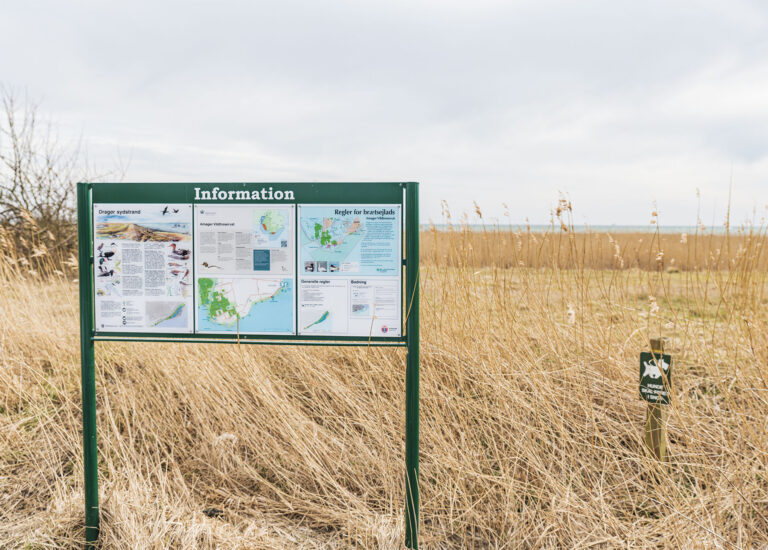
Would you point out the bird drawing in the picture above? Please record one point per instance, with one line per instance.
(209, 266)
(177, 272)
(165, 211)
(175, 210)
(107, 273)
(179, 253)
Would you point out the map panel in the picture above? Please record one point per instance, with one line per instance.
(245, 305)
(244, 269)
(244, 239)
(350, 239)
(350, 267)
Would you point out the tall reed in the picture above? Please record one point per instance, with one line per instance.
(531, 420)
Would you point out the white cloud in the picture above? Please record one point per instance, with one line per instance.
(617, 103)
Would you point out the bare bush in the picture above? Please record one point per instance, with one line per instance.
(38, 173)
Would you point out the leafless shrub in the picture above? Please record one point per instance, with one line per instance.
(38, 173)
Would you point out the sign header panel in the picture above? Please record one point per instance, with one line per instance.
(312, 193)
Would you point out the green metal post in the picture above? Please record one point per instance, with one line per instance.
(412, 368)
(87, 365)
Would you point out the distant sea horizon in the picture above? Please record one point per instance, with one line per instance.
(616, 228)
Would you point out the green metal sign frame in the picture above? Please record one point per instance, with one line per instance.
(405, 194)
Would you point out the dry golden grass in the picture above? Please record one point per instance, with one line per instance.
(531, 422)
(560, 249)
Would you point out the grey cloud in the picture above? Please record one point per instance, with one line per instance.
(487, 100)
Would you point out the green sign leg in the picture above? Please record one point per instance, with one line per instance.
(412, 369)
(87, 366)
(412, 450)
(89, 446)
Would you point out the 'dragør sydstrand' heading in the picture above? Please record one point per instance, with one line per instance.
(265, 194)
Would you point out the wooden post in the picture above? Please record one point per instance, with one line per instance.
(655, 426)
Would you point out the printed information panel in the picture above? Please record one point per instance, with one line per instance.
(142, 261)
(350, 270)
(245, 267)
(249, 268)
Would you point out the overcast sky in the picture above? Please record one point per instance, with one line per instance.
(616, 103)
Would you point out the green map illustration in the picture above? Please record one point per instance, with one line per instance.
(360, 240)
(250, 305)
(269, 226)
(332, 239)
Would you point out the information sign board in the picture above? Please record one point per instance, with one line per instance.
(281, 263)
(236, 261)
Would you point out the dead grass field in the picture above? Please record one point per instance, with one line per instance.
(559, 249)
(531, 424)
